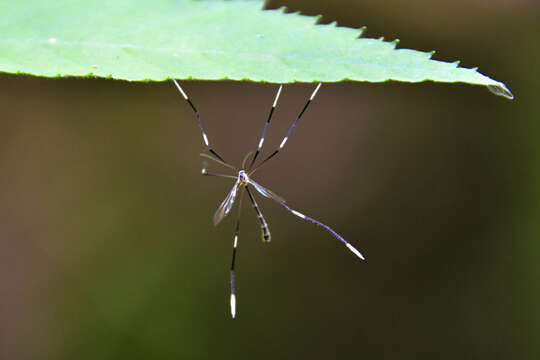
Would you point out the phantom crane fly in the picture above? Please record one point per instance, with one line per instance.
(243, 181)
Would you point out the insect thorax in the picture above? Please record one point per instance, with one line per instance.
(243, 177)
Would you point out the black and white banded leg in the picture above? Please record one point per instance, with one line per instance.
(266, 237)
(261, 141)
(328, 228)
(284, 141)
(205, 138)
(235, 246)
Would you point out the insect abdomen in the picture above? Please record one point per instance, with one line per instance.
(266, 237)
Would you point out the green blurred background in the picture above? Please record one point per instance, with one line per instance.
(107, 249)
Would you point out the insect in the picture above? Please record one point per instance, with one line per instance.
(243, 181)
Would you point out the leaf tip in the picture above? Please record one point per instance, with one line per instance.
(362, 31)
(501, 90)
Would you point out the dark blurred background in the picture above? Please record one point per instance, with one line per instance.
(107, 249)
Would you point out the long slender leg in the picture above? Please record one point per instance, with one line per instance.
(261, 142)
(264, 226)
(290, 130)
(335, 234)
(205, 138)
(204, 172)
(210, 157)
(245, 159)
(235, 246)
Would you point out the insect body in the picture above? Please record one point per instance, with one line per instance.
(243, 182)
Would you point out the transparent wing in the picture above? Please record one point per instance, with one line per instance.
(226, 205)
(268, 193)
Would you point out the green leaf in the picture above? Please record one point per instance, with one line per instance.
(207, 40)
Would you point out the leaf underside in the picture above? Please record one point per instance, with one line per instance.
(206, 40)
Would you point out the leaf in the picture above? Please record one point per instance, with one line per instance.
(206, 40)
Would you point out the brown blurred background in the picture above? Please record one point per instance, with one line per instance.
(107, 250)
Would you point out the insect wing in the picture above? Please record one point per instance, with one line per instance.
(226, 205)
(268, 193)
